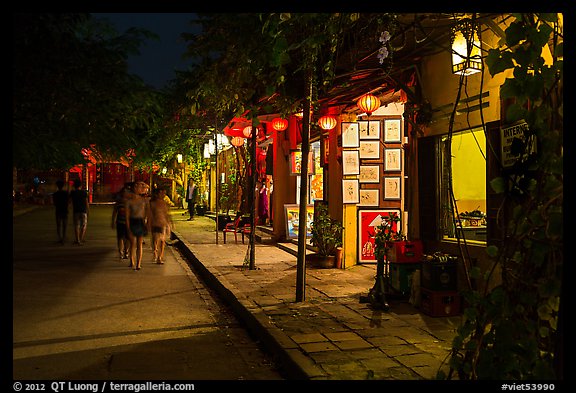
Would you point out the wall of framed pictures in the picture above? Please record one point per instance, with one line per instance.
(372, 162)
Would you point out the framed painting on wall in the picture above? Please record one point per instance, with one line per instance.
(392, 160)
(350, 135)
(369, 174)
(392, 187)
(370, 150)
(369, 197)
(295, 162)
(350, 191)
(368, 220)
(369, 133)
(292, 214)
(350, 162)
(392, 130)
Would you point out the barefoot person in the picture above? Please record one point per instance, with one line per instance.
(137, 222)
(160, 223)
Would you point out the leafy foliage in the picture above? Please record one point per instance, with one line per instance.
(326, 231)
(388, 231)
(72, 90)
(512, 332)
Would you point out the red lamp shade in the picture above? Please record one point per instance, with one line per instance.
(237, 141)
(279, 124)
(247, 131)
(327, 122)
(368, 103)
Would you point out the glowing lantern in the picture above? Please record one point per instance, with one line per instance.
(466, 57)
(247, 131)
(237, 141)
(368, 103)
(279, 124)
(327, 122)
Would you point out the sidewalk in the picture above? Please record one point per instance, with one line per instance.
(330, 335)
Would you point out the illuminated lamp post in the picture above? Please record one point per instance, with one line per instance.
(368, 103)
(466, 57)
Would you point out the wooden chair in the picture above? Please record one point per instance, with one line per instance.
(233, 227)
(246, 230)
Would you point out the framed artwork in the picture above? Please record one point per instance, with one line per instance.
(296, 162)
(369, 197)
(368, 221)
(350, 162)
(392, 187)
(392, 159)
(370, 150)
(369, 174)
(350, 191)
(350, 134)
(392, 130)
(292, 214)
(369, 129)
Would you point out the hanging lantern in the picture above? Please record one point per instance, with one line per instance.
(327, 122)
(466, 57)
(368, 103)
(247, 131)
(279, 124)
(237, 141)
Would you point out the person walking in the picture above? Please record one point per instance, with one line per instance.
(160, 223)
(119, 222)
(191, 193)
(137, 222)
(60, 199)
(80, 210)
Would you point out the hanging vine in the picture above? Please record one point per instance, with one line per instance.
(514, 331)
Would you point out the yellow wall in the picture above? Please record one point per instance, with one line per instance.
(469, 170)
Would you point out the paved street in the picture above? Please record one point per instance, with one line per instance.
(79, 312)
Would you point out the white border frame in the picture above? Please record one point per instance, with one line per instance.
(369, 169)
(350, 162)
(392, 155)
(373, 153)
(392, 188)
(390, 126)
(374, 129)
(369, 197)
(350, 134)
(350, 191)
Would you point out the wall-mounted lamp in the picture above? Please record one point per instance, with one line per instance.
(179, 158)
(466, 55)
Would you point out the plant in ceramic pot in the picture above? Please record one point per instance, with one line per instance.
(326, 237)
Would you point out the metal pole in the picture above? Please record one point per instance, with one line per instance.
(252, 198)
(303, 222)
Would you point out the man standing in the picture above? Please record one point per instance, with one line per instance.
(80, 209)
(60, 201)
(191, 193)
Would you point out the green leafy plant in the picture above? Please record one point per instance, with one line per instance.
(387, 232)
(513, 331)
(326, 232)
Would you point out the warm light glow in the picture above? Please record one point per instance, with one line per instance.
(368, 103)
(279, 124)
(465, 60)
(237, 141)
(247, 131)
(179, 158)
(327, 122)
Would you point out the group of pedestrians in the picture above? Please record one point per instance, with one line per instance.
(135, 214)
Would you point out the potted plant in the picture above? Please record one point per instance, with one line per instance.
(326, 238)
(385, 234)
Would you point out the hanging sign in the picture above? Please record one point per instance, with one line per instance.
(507, 137)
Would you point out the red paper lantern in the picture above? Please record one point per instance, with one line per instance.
(237, 141)
(247, 131)
(327, 122)
(368, 103)
(279, 124)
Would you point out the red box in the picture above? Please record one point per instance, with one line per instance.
(440, 303)
(405, 251)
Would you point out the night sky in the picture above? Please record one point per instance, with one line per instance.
(158, 58)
